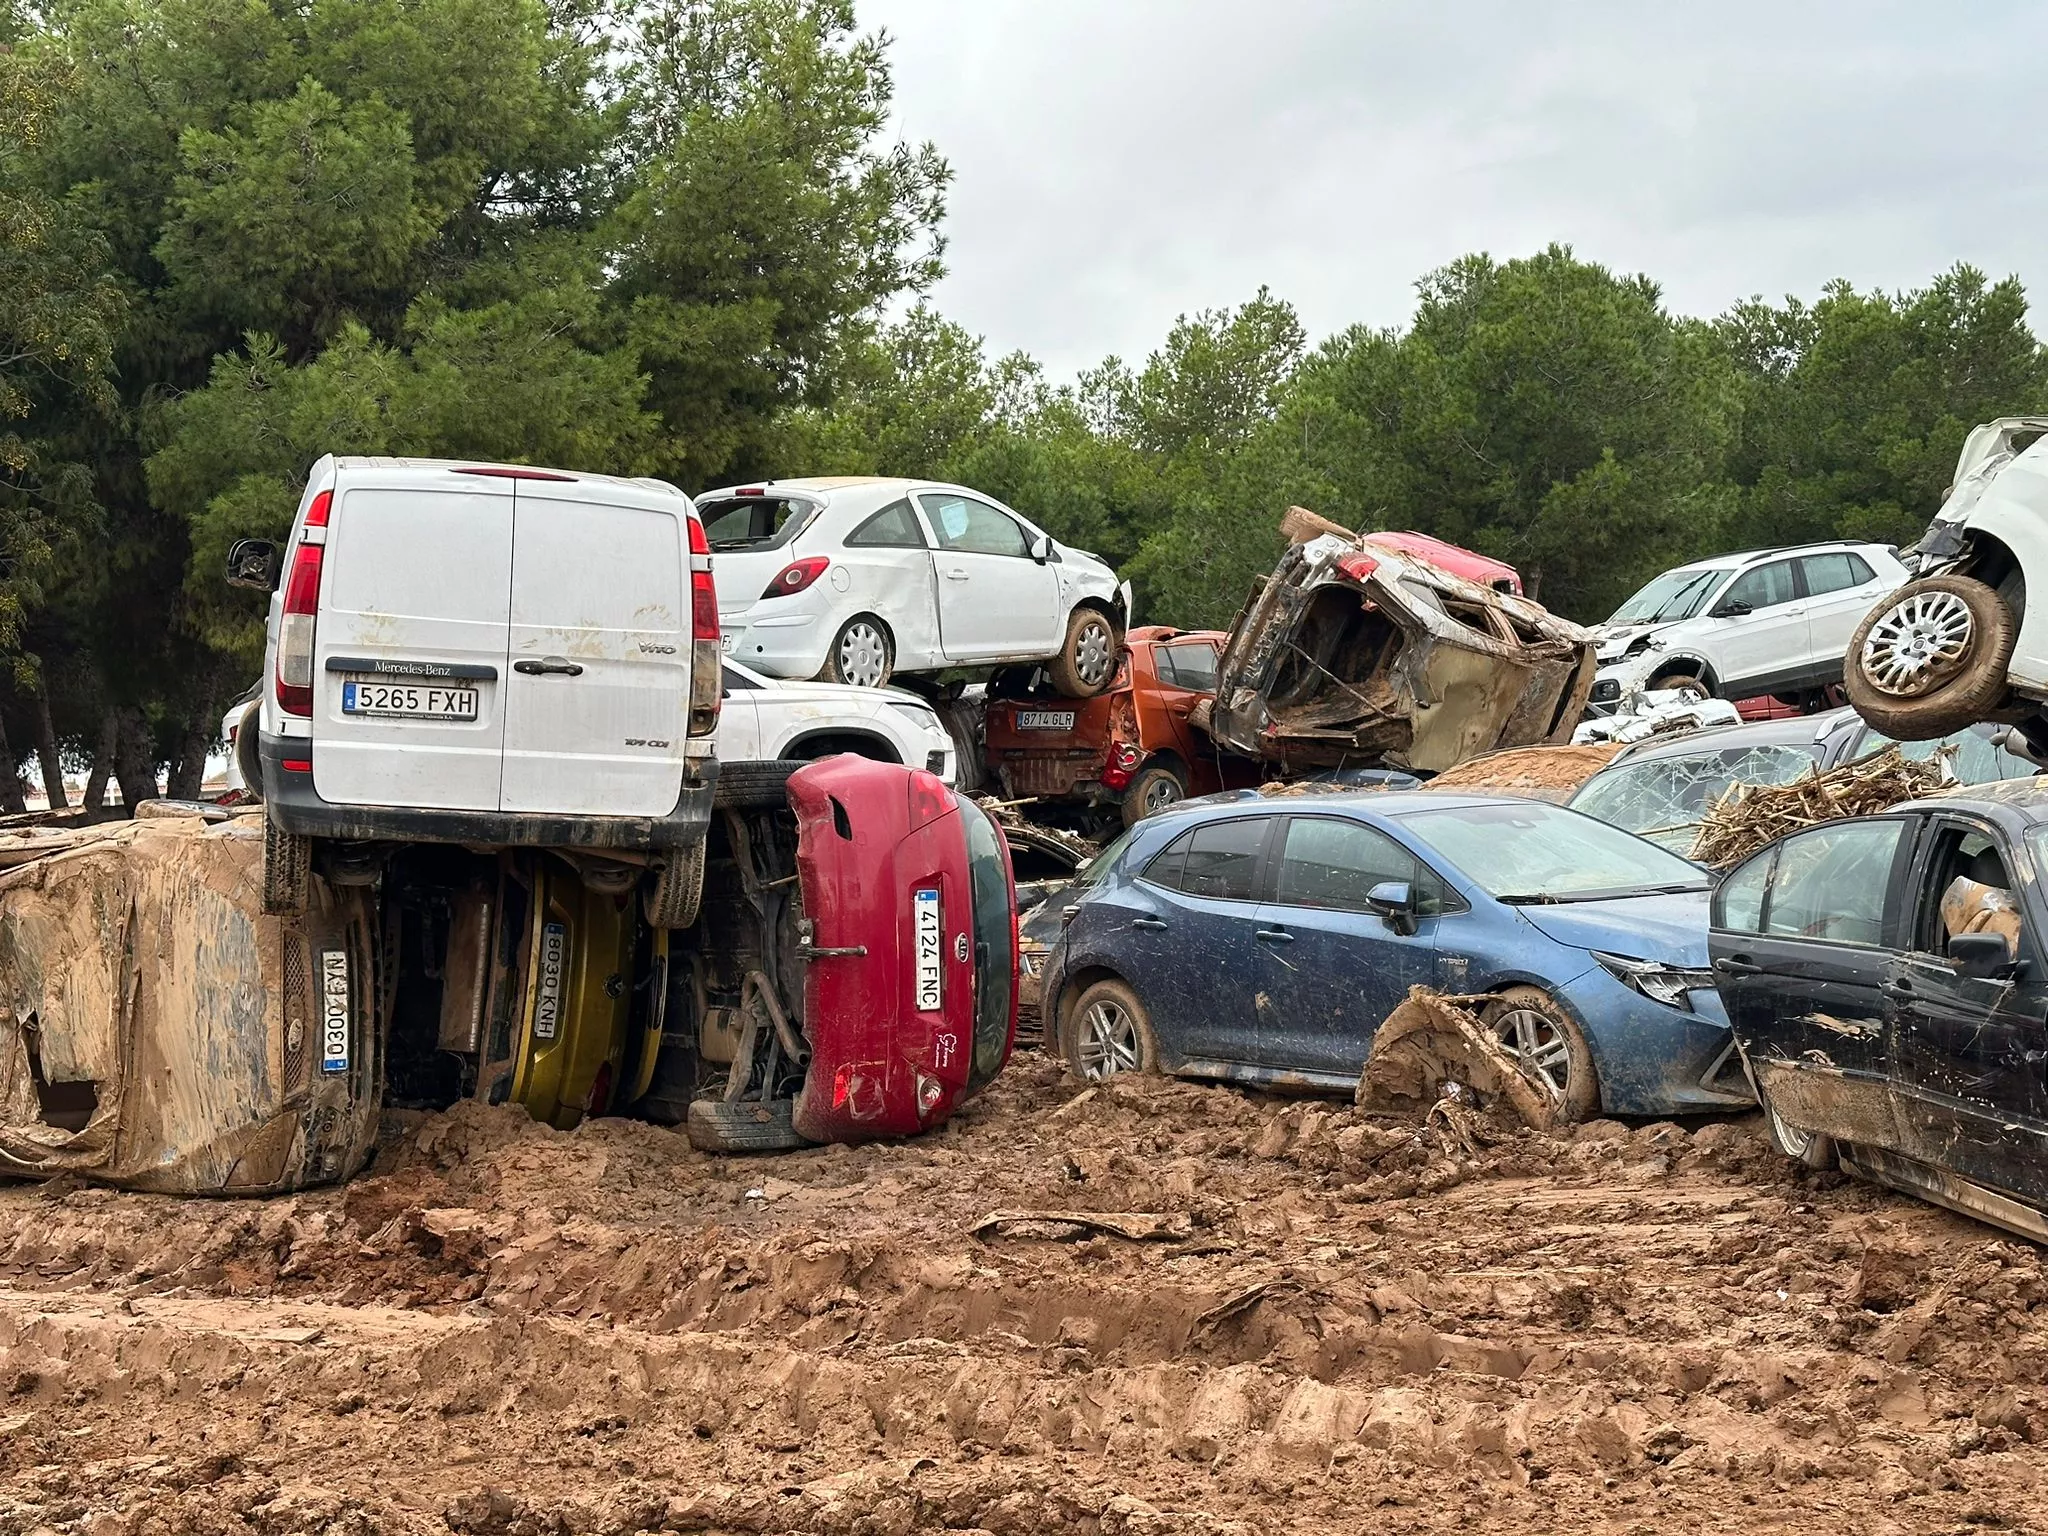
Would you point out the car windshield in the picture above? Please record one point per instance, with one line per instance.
(1100, 865)
(1529, 851)
(995, 937)
(1667, 798)
(1672, 596)
(753, 522)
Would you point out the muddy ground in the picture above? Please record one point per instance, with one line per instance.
(1327, 1323)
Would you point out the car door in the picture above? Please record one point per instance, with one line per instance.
(1332, 969)
(1191, 949)
(739, 718)
(1972, 1051)
(994, 599)
(1840, 586)
(600, 650)
(1186, 670)
(1801, 936)
(418, 566)
(884, 567)
(1768, 641)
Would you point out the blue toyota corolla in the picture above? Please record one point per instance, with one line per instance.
(1263, 941)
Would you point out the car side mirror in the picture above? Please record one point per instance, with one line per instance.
(1393, 901)
(1979, 956)
(1733, 609)
(1041, 548)
(253, 563)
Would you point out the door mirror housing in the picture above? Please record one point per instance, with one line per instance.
(1041, 548)
(1980, 956)
(1734, 608)
(1393, 902)
(254, 563)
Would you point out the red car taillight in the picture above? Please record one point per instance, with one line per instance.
(1123, 762)
(707, 682)
(301, 605)
(796, 575)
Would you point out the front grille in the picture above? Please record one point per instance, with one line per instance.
(935, 762)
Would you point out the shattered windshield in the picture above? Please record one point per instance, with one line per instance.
(1666, 799)
(1674, 595)
(1533, 852)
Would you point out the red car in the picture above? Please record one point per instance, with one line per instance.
(1131, 749)
(1451, 557)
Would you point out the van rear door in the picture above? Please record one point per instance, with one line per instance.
(597, 690)
(409, 659)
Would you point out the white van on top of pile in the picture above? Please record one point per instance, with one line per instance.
(485, 654)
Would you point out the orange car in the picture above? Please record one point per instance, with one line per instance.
(1132, 746)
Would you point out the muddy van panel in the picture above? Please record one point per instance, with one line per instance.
(160, 1033)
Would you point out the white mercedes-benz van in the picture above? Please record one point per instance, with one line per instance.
(490, 655)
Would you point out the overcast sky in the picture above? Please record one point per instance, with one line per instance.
(1119, 162)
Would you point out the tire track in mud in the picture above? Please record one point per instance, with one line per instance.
(509, 1329)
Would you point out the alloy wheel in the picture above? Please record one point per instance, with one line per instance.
(1159, 794)
(1537, 1043)
(1108, 1042)
(1918, 643)
(863, 655)
(1795, 1142)
(1093, 652)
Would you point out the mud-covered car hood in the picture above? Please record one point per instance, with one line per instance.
(1669, 929)
(1354, 654)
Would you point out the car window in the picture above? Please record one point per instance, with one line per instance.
(737, 681)
(1833, 573)
(1967, 887)
(1975, 759)
(894, 527)
(1218, 860)
(1527, 851)
(1188, 664)
(974, 527)
(1765, 587)
(1674, 595)
(1666, 798)
(1332, 863)
(753, 522)
(1739, 903)
(1830, 883)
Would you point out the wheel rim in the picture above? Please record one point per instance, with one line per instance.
(1918, 643)
(1159, 794)
(1109, 1041)
(1537, 1042)
(1795, 1141)
(863, 656)
(1092, 653)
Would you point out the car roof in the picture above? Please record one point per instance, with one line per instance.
(1382, 802)
(362, 461)
(1730, 561)
(1794, 730)
(2025, 800)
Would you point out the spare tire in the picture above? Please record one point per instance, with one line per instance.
(1931, 658)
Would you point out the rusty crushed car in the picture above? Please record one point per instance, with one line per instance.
(851, 975)
(1354, 653)
(1129, 751)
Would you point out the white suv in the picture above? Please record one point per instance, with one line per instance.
(490, 655)
(768, 720)
(1770, 621)
(852, 580)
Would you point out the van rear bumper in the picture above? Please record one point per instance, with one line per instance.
(297, 807)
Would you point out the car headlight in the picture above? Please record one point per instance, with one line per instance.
(1643, 643)
(1670, 985)
(922, 714)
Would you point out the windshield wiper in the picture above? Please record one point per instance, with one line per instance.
(1612, 893)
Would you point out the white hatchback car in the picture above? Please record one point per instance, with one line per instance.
(852, 580)
(1767, 621)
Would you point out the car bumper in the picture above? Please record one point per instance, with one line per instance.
(1616, 680)
(1654, 1060)
(783, 638)
(297, 807)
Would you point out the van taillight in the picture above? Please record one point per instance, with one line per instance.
(796, 575)
(295, 632)
(707, 679)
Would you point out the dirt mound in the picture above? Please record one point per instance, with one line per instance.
(1533, 773)
(1271, 1316)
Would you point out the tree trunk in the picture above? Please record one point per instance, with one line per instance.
(188, 768)
(11, 799)
(102, 762)
(134, 765)
(46, 749)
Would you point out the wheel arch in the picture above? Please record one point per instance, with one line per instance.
(828, 741)
(1689, 661)
(1072, 985)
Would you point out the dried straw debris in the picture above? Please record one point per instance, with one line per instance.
(1748, 816)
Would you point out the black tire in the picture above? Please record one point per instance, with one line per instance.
(862, 644)
(678, 890)
(1907, 693)
(716, 1126)
(1106, 1032)
(1152, 791)
(742, 785)
(1683, 677)
(248, 757)
(1809, 1149)
(1535, 1029)
(1088, 656)
(287, 870)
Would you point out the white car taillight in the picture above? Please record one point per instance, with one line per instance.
(301, 606)
(707, 681)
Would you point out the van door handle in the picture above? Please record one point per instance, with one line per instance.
(1736, 965)
(1274, 935)
(1149, 924)
(557, 665)
(956, 574)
